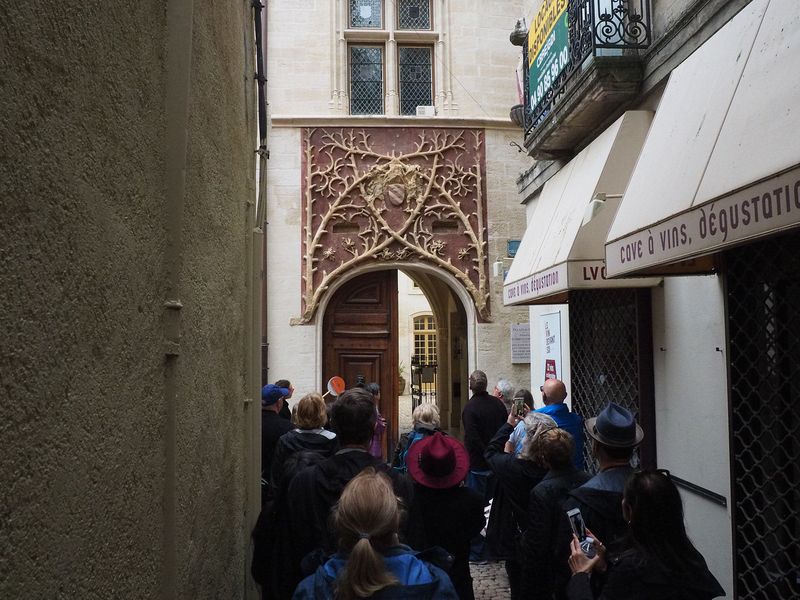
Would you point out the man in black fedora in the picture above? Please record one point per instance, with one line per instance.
(614, 434)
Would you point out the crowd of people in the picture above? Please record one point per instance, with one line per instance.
(339, 521)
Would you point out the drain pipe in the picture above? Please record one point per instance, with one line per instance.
(179, 25)
(263, 157)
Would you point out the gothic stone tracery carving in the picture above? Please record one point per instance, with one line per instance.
(400, 195)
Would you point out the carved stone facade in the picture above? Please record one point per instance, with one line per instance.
(400, 195)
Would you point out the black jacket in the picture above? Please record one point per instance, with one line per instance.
(273, 426)
(271, 536)
(448, 518)
(482, 416)
(539, 537)
(600, 501)
(515, 480)
(631, 576)
(300, 440)
(313, 492)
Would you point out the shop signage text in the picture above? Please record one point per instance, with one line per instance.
(544, 283)
(548, 48)
(550, 330)
(756, 211)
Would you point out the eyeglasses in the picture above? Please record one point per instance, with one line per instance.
(541, 388)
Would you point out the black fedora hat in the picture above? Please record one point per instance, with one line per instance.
(615, 427)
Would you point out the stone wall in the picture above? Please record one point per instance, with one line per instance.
(307, 47)
(115, 486)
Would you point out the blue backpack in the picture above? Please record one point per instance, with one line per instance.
(411, 438)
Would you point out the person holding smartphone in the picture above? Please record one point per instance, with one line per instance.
(659, 563)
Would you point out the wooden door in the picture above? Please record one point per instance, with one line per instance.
(360, 338)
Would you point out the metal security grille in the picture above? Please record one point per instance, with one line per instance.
(764, 326)
(366, 13)
(416, 79)
(610, 357)
(414, 14)
(366, 80)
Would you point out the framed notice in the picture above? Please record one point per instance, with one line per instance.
(550, 332)
(520, 343)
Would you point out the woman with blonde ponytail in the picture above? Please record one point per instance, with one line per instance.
(371, 563)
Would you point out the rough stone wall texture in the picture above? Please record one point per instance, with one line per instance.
(82, 244)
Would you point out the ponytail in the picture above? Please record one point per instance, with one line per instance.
(366, 521)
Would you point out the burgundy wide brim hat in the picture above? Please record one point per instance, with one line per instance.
(439, 461)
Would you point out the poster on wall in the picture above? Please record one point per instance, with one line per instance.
(550, 331)
(520, 343)
(548, 48)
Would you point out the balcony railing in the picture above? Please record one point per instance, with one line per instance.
(596, 28)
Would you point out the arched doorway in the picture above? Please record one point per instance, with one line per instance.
(360, 338)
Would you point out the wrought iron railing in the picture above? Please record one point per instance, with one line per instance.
(595, 26)
(423, 382)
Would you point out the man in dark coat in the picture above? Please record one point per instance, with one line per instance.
(272, 428)
(482, 417)
(444, 513)
(516, 476)
(614, 434)
(313, 492)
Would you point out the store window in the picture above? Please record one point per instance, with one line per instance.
(413, 14)
(366, 80)
(366, 14)
(415, 78)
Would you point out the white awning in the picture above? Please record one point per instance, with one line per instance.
(721, 164)
(558, 252)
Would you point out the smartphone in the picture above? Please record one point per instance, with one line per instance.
(576, 521)
(519, 406)
(579, 529)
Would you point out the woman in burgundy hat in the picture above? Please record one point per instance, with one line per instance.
(444, 512)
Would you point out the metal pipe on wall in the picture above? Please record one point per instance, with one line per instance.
(261, 36)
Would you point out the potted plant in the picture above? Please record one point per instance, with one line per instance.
(401, 380)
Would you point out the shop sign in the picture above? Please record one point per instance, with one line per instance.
(543, 283)
(756, 211)
(520, 343)
(573, 275)
(548, 48)
(550, 331)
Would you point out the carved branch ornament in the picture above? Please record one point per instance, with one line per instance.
(402, 195)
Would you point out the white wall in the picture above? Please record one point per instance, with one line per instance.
(292, 350)
(411, 302)
(691, 390)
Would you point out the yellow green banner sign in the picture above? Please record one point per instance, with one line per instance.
(548, 48)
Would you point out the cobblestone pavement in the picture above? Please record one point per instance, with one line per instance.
(489, 581)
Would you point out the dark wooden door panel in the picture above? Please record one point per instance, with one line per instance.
(360, 338)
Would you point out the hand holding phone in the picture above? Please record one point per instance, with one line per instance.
(519, 407)
(579, 529)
